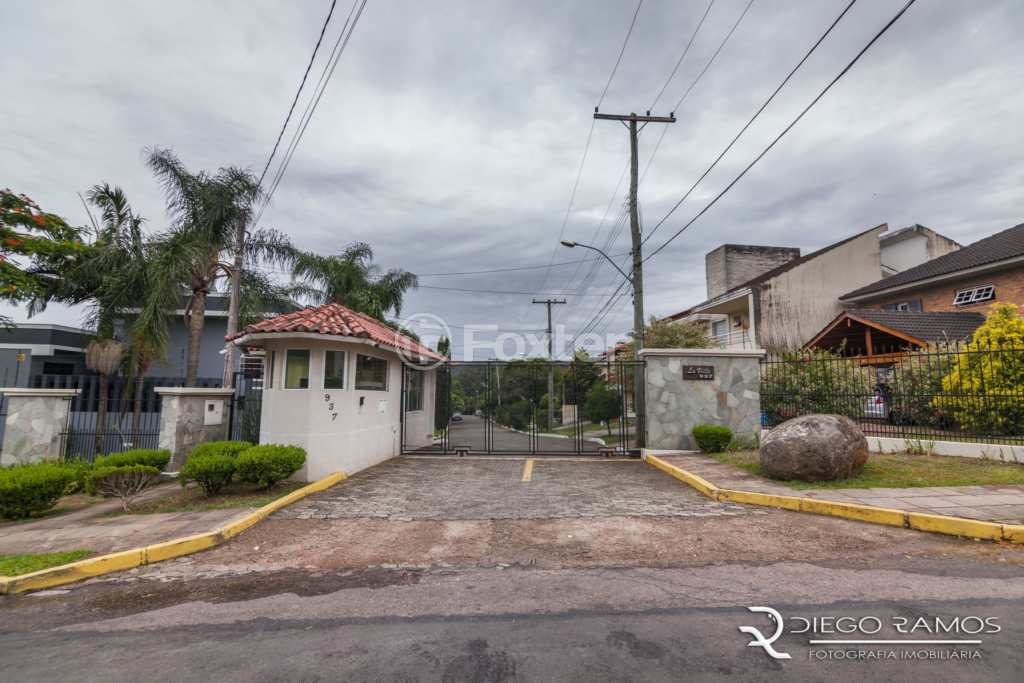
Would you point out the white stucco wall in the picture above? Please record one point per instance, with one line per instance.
(337, 432)
(794, 306)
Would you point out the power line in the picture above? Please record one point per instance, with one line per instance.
(494, 291)
(621, 52)
(506, 270)
(687, 49)
(679, 104)
(788, 128)
(303, 83)
(753, 118)
(710, 61)
(325, 77)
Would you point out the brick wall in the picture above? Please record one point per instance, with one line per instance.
(1009, 290)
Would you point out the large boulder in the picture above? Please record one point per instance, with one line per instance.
(814, 448)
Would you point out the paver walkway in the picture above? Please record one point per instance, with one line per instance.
(417, 488)
(991, 503)
(83, 529)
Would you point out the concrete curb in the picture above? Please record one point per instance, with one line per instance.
(129, 559)
(951, 526)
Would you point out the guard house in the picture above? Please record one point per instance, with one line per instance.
(347, 388)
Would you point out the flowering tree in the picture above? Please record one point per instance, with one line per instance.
(985, 388)
(28, 237)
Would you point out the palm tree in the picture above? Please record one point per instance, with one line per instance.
(205, 212)
(104, 358)
(354, 281)
(112, 279)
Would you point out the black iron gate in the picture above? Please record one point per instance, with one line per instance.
(246, 406)
(502, 408)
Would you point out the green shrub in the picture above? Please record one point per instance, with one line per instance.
(31, 488)
(711, 438)
(157, 458)
(78, 470)
(228, 448)
(268, 465)
(123, 482)
(212, 472)
(603, 405)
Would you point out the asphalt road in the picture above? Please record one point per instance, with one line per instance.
(470, 431)
(523, 625)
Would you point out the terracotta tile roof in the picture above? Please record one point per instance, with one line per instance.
(336, 320)
(1001, 246)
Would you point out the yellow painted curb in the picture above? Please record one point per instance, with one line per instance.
(951, 526)
(129, 559)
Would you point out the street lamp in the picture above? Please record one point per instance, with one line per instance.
(571, 244)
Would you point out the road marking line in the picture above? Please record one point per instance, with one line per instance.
(528, 470)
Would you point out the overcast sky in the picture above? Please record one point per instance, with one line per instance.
(451, 133)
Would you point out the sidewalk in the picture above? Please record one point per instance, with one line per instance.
(1003, 504)
(84, 529)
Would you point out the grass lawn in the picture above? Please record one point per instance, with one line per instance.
(899, 470)
(233, 496)
(15, 565)
(591, 427)
(65, 504)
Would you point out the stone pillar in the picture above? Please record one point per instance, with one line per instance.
(36, 421)
(690, 387)
(189, 417)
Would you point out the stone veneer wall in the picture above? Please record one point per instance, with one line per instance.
(676, 405)
(33, 430)
(182, 428)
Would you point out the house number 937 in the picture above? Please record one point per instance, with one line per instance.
(330, 406)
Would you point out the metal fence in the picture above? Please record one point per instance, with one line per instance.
(942, 392)
(132, 420)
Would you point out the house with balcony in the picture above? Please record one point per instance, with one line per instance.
(776, 298)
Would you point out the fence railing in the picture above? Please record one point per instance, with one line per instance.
(942, 392)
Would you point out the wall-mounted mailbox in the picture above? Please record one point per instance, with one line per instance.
(382, 405)
(214, 413)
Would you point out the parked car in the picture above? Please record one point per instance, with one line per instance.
(879, 406)
(457, 416)
(479, 413)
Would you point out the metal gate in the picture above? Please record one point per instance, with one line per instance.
(246, 405)
(502, 408)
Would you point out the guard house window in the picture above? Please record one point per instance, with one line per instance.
(371, 373)
(334, 369)
(413, 390)
(296, 369)
(974, 295)
(273, 362)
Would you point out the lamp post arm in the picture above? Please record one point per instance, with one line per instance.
(628, 278)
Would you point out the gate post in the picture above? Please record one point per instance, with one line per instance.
(691, 387)
(189, 417)
(36, 422)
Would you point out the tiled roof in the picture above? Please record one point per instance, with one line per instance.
(336, 320)
(999, 247)
(928, 326)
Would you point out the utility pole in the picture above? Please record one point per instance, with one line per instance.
(551, 368)
(639, 379)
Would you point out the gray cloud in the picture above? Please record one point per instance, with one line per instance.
(451, 134)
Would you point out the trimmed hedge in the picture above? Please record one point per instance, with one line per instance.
(212, 472)
(268, 465)
(228, 448)
(31, 488)
(711, 438)
(123, 482)
(157, 458)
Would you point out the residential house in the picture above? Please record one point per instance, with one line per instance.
(772, 297)
(969, 279)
